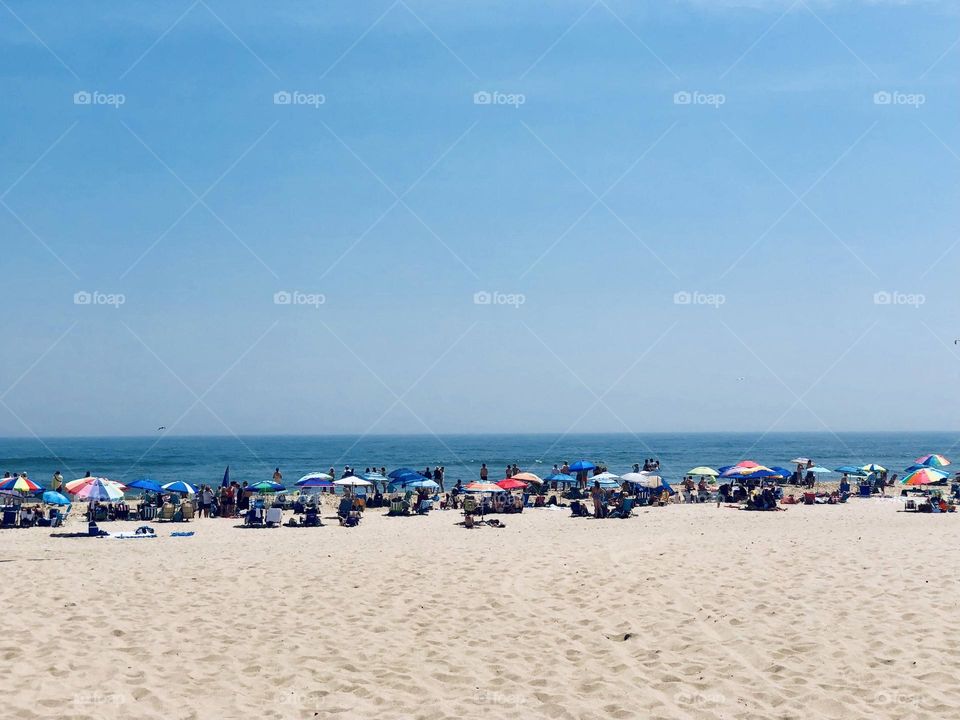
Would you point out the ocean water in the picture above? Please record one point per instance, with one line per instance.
(203, 459)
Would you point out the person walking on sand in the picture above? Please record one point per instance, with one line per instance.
(596, 492)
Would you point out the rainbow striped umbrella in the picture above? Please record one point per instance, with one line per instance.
(925, 476)
(75, 485)
(99, 489)
(23, 484)
(932, 461)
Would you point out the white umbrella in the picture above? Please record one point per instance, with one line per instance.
(353, 481)
(645, 479)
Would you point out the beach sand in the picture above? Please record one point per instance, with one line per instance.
(679, 612)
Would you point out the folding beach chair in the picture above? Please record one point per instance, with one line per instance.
(624, 511)
(347, 516)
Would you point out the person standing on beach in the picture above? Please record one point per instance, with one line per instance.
(277, 476)
(565, 470)
(597, 494)
(56, 483)
(206, 500)
(483, 472)
(438, 476)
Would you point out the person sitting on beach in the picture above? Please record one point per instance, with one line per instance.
(688, 489)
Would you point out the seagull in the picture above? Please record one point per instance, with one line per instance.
(740, 379)
(162, 427)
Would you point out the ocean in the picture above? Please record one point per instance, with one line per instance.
(253, 458)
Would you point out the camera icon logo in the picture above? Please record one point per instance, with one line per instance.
(282, 97)
(881, 298)
(682, 98)
(482, 298)
(82, 97)
(82, 298)
(681, 298)
(282, 297)
(882, 98)
(482, 98)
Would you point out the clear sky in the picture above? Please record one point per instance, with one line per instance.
(687, 215)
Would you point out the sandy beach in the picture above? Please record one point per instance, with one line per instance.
(679, 612)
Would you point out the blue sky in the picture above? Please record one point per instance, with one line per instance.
(803, 201)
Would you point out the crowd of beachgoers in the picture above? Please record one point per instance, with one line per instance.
(587, 488)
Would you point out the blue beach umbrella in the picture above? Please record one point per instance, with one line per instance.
(179, 486)
(52, 497)
(561, 478)
(781, 471)
(401, 471)
(145, 484)
(316, 479)
(850, 470)
(581, 465)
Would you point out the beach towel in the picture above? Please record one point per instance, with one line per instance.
(131, 535)
(182, 534)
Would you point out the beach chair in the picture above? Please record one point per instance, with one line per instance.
(397, 507)
(188, 510)
(273, 517)
(865, 489)
(347, 516)
(809, 498)
(167, 513)
(311, 518)
(624, 511)
(578, 509)
(424, 507)
(10, 516)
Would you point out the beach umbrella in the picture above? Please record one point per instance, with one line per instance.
(99, 489)
(352, 481)
(310, 479)
(21, 484)
(643, 479)
(528, 477)
(802, 461)
(925, 476)
(226, 478)
(264, 486)
(315, 483)
(739, 471)
(52, 497)
(932, 461)
(581, 465)
(374, 477)
(781, 472)
(179, 486)
(423, 483)
(401, 471)
(817, 469)
(760, 474)
(413, 480)
(873, 467)
(701, 470)
(11, 494)
(73, 485)
(482, 487)
(606, 480)
(748, 464)
(850, 470)
(512, 484)
(145, 484)
(560, 478)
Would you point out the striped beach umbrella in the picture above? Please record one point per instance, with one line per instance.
(925, 476)
(22, 484)
(873, 467)
(932, 461)
(75, 485)
(99, 489)
(483, 487)
(179, 486)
